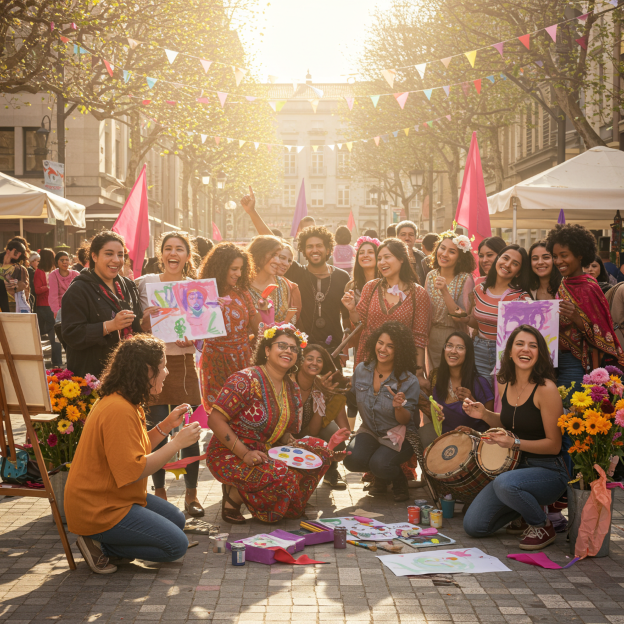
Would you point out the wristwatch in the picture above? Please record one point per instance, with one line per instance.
(516, 444)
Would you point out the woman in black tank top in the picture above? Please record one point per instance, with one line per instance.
(531, 406)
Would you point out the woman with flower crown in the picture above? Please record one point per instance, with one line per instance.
(258, 408)
(449, 286)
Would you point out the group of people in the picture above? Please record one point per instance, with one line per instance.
(426, 326)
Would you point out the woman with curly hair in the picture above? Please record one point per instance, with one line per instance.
(449, 285)
(544, 278)
(258, 408)
(106, 503)
(386, 389)
(175, 254)
(232, 267)
(586, 335)
(531, 407)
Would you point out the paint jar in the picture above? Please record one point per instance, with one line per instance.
(448, 508)
(340, 537)
(219, 542)
(419, 502)
(435, 518)
(424, 514)
(413, 514)
(238, 554)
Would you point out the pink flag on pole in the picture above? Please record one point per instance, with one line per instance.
(216, 235)
(472, 208)
(133, 222)
(351, 221)
(301, 210)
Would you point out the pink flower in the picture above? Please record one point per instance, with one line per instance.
(619, 418)
(27, 445)
(598, 393)
(586, 380)
(52, 440)
(617, 388)
(599, 376)
(617, 435)
(69, 429)
(92, 381)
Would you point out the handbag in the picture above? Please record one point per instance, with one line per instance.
(21, 471)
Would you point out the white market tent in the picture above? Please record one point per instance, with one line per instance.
(589, 188)
(20, 200)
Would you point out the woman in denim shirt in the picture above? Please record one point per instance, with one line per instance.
(386, 390)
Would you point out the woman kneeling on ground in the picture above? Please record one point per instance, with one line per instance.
(106, 499)
(531, 406)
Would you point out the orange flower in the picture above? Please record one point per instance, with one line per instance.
(590, 414)
(80, 381)
(618, 443)
(620, 404)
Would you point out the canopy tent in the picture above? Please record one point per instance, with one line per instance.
(589, 188)
(20, 200)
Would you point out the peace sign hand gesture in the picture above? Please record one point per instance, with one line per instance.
(249, 201)
(398, 398)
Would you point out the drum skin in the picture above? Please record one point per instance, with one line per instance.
(494, 459)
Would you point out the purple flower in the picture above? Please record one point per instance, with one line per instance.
(613, 370)
(328, 340)
(86, 390)
(52, 440)
(617, 435)
(64, 374)
(586, 380)
(599, 376)
(598, 393)
(619, 418)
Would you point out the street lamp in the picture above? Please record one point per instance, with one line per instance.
(221, 179)
(373, 192)
(45, 132)
(205, 177)
(416, 177)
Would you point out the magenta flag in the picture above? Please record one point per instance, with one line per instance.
(472, 208)
(301, 210)
(351, 221)
(133, 223)
(216, 235)
(561, 218)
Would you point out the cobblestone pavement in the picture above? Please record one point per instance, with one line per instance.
(37, 586)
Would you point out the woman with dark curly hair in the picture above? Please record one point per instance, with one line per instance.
(258, 408)
(586, 335)
(449, 286)
(531, 407)
(544, 278)
(386, 389)
(106, 502)
(232, 267)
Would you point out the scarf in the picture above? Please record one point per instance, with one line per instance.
(583, 291)
(126, 332)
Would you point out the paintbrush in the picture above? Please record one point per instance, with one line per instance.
(390, 547)
(371, 547)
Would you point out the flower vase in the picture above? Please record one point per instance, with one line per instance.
(576, 502)
(58, 482)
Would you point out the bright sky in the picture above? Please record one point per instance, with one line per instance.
(319, 35)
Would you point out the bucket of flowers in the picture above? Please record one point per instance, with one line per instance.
(594, 424)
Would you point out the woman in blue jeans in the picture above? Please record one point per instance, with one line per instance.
(386, 390)
(531, 406)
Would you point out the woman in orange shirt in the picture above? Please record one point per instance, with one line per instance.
(106, 499)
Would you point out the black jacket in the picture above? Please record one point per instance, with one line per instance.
(84, 309)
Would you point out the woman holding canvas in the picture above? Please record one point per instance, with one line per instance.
(175, 254)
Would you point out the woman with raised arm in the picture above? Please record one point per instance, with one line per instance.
(531, 407)
(544, 278)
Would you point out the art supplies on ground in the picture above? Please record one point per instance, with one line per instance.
(296, 458)
(424, 541)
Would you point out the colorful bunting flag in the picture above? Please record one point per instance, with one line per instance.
(448, 117)
(582, 18)
(552, 31)
(151, 82)
(315, 148)
(279, 105)
(446, 61)
(222, 97)
(395, 134)
(51, 26)
(389, 75)
(272, 105)
(315, 104)
(250, 98)
(205, 64)
(385, 138)
(477, 84)
(203, 100)
(171, 102)
(491, 79)
(349, 145)
(421, 69)
(217, 140)
(171, 55)
(273, 79)
(241, 143)
(146, 102)
(64, 39)
(239, 74)
(499, 47)
(503, 76)
(350, 102)
(126, 76)
(582, 41)
(447, 90)
(428, 93)
(401, 98)
(375, 100)
(331, 147)
(430, 124)
(525, 40)
(319, 92)
(133, 43)
(109, 67)
(256, 145)
(203, 137)
(471, 56)
(299, 148)
(376, 139)
(406, 130)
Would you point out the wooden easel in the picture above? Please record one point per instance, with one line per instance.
(31, 413)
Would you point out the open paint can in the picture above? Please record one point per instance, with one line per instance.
(435, 518)
(219, 542)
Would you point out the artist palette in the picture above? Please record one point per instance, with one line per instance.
(296, 457)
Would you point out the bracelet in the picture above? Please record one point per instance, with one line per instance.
(233, 445)
(106, 332)
(162, 433)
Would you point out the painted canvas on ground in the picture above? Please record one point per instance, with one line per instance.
(186, 309)
(543, 315)
(464, 560)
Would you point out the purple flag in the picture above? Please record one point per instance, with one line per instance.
(301, 209)
(561, 218)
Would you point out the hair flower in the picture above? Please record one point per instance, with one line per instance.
(366, 239)
(463, 243)
(299, 335)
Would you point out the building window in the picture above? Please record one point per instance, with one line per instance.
(290, 164)
(108, 149)
(289, 195)
(344, 163)
(318, 161)
(344, 195)
(369, 201)
(317, 195)
(7, 150)
(35, 151)
(118, 157)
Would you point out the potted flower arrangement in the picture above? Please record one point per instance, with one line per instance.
(594, 423)
(72, 398)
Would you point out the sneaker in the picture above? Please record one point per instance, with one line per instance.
(517, 527)
(93, 555)
(379, 487)
(536, 538)
(121, 560)
(334, 479)
(400, 489)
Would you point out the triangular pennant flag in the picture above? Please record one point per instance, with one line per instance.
(269, 147)
(109, 67)
(250, 98)
(222, 97)
(466, 87)
(133, 43)
(525, 40)
(64, 39)
(339, 145)
(315, 104)
(171, 55)
(228, 139)
(299, 148)
(126, 75)
(401, 98)
(146, 102)
(73, 26)
(539, 63)
(350, 101)
(376, 139)
(318, 92)
(395, 134)
(428, 93)
(239, 74)
(203, 137)
(205, 64)
(171, 103)
(614, 2)
(389, 75)
(448, 117)
(51, 26)
(406, 130)
(477, 84)
(315, 148)
(151, 82)
(499, 47)
(503, 76)
(350, 145)
(430, 124)
(447, 90)
(385, 138)
(421, 69)
(203, 100)
(331, 147)
(446, 61)
(582, 18)
(417, 128)
(217, 140)
(272, 105)
(288, 147)
(273, 79)
(552, 31)
(280, 105)
(241, 142)
(491, 78)
(375, 99)
(471, 56)
(582, 41)
(295, 85)
(256, 145)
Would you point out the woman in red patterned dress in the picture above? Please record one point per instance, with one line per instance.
(231, 266)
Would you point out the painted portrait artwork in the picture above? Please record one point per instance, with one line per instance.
(543, 315)
(187, 309)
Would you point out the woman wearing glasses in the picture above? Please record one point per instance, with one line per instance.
(258, 408)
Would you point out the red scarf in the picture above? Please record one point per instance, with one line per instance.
(126, 332)
(583, 291)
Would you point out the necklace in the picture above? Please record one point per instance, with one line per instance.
(513, 420)
(380, 374)
(319, 297)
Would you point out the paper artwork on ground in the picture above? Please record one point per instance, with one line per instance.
(428, 541)
(543, 315)
(466, 560)
(296, 457)
(370, 531)
(185, 309)
(262, 540)
(366, 514)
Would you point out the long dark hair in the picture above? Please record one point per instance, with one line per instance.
(495, 243)
(603, 276)
(555, 275)
(46, 264)
(260, 357)
(465, 259)
(189, 269)
(469, 374)
(328, 363)
(218, 262)
(543, 369)
(404, 352)
(100, 239)
(399, 250)
(359, 279)
(262, 247)
(521, 281)
(131, 368)
(15, 245)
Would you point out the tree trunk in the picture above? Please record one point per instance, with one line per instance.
(195, 189)
(135, 150)
(497, 158)
(576, 115)
(187, 170)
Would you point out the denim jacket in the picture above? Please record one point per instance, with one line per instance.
(377, 412)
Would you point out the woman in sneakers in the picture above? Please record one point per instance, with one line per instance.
(531, 406)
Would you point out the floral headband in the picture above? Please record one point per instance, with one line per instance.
(366, 239)
(301, 337)
(462, 241)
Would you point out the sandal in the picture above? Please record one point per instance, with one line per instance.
(231, 515)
